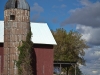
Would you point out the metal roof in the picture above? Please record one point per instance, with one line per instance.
(20, 4)
(41, 33)
(1, 31)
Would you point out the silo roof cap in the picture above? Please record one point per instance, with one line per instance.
(20, 4)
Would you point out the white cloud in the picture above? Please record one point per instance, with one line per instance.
(92, 58)
(92, 55)
(95, 72)
(85, 2)
(88, 15)
(90, 34)
(37, 8)
(87, 19)
(36, 11)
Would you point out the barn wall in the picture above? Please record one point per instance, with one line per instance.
(43, 56)
(44, 59)
(1, 54)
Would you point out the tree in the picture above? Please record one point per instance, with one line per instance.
(70, 46)
(24, 59)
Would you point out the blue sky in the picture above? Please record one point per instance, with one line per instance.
(80, 15)
(52, 12)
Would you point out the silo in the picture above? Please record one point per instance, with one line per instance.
(16, 27)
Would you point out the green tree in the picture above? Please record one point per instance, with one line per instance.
(72, 71)
(70, 46)
(24, 59)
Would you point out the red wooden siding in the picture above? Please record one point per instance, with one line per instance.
(44, 59)
(1, 54)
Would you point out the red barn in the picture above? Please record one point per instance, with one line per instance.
(43, 48)
(1, 58)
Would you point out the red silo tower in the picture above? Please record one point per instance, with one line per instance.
(16, 27)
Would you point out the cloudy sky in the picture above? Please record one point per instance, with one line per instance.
(80, 15)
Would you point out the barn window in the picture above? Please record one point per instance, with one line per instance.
(12, 17)
(16, 4)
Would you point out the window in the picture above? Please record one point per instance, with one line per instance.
(12, 17)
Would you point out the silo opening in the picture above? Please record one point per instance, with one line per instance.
(16, 4)
(12, 17)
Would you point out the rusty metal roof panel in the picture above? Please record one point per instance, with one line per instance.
(20, 4)
(41, 33)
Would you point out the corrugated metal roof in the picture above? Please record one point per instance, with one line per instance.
(20, 4)
(41, 33)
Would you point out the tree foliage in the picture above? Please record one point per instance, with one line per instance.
(72, 71)
(24, 59)
(70, 47)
